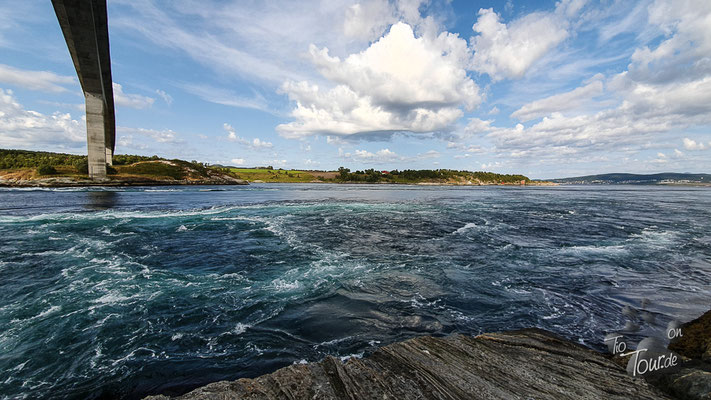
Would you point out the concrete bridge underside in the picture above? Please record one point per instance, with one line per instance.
(85, 28)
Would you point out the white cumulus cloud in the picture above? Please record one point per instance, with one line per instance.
(400, 83)
(26, 129)
(378, 157)
(691, 144)
(508, 50)
(255, 143)
(131, 100)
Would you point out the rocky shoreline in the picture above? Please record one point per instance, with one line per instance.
(133, 181)
(226, 180)
(523, 364)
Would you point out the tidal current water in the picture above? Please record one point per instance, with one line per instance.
(121, 293)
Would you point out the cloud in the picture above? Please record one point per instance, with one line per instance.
(690, 144)
(158, 136)
(385, 156)
(559, 102)
(259, 41)
(165, 96)
(25, 129)
(379, 157)
(131, 100)
(651, 100)
(508, 50)
(166, 142)
(399, 83)
(368, 20)
(255, 143)
(35, 80)
(259, 144)
(428, 154)
(238, 161)
(682, 55)
(226, 97)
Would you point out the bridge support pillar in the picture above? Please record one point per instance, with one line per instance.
(95, 136)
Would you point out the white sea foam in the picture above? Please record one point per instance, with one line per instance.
(465, 228)
(653, 237)
(49, 311)
(348, 357)
(596, 250)
(240, 328)
(283, 286)
(112, 298)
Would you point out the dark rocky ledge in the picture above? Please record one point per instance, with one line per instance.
(524, 364)
(693, 380)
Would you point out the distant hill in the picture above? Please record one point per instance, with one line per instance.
(670, 178)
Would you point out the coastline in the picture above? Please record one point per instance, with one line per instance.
(526, 363)
(69, 182)
(59, 182)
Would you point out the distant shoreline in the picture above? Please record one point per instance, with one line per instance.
(65, 182)
(69, 182)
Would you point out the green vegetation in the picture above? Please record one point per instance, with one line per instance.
(154, 169)
(427, 175)
(16, 159)
(126, 159)
(273, 175)
(133, 166)
(59, 164)
(46, 169)
(81, 166)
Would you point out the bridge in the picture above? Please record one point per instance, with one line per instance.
(85, 28)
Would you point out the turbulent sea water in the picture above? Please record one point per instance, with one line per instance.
(127, 292)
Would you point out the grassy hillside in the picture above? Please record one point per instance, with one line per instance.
(273, 175)
(32, 165)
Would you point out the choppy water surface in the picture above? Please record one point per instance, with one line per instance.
(139, 291)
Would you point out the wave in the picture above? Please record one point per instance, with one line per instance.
(466, 227)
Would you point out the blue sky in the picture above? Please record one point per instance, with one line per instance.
(543, 88)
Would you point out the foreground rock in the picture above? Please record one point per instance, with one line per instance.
(696, 341)
(693, 379)
(523, 364)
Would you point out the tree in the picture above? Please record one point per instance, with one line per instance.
(46, 169)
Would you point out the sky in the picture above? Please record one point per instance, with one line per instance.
(548, 89)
